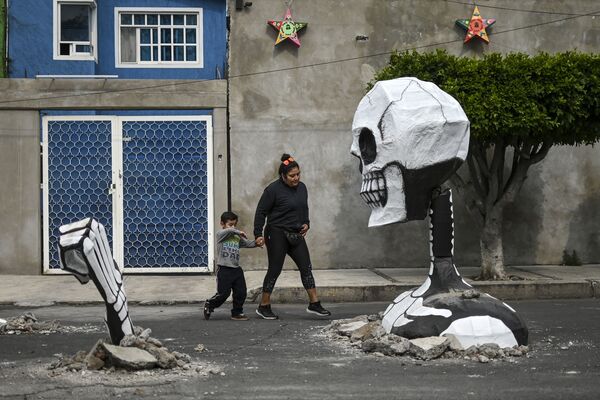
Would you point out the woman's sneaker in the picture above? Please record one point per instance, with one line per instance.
(207, 310)
(317, 308)
(265, 312)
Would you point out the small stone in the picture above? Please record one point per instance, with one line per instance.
(200, 348)
(154, 342)
(470, 294)
(222, 373)
(483, 359)
(145, 333)
(348, 328)
(489, 350)
(129, 341)
(80, 356)
(373, 317)
(180, 363)
(93, 363)
(182, 356)
(370, 330)
(164, 359)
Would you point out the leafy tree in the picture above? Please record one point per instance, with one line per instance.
(519, 107)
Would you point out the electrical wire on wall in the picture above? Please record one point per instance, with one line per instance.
(312, 65)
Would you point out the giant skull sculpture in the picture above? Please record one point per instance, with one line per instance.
(410, 137)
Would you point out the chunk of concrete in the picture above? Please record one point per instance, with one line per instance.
(429, 348)
(164, 359)
(130, 358)
(389, 345)
(368, 331)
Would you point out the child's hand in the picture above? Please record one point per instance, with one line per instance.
(260, 241)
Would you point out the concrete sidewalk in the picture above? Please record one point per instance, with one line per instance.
(339, 285)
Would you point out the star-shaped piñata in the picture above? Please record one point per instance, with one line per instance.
(288, 29)
(476, 26)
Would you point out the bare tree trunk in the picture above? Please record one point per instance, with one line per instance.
(492, 252)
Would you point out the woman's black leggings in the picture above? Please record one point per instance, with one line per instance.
(278, 245)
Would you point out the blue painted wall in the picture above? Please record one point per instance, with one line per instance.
(30, 41)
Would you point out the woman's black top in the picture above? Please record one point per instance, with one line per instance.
(284, 207)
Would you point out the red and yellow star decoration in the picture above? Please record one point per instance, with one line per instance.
(476, 26)
(288, 29)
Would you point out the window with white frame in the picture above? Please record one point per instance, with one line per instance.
(159, 37)
(74, 29)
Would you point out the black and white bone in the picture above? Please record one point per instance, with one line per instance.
(85, 252)
(438, 307)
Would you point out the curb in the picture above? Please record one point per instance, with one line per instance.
(523, 290)
(503, 290)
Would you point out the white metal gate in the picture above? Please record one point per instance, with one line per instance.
(147, 179)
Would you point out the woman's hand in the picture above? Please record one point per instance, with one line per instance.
(260, 241)
(304, 229)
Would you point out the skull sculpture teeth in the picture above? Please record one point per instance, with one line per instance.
(374, 189)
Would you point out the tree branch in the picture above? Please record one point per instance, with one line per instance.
(494, 192)
(469, 193)
(475, 178)
(541, 153)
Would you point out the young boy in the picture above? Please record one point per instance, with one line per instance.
(229, 273)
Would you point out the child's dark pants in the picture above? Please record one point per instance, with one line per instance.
(229, 279)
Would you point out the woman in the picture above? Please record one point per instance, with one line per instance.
(284, 204)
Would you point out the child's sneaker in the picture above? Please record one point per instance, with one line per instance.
(239, 317)
(265, 312)
(207, 310)
(317, 308)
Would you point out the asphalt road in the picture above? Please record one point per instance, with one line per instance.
(291, 359)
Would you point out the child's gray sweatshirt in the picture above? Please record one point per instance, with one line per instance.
(229, 242)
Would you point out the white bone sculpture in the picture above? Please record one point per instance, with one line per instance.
(85, 252)
(410, 137)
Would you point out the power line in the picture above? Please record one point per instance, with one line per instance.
(331, 62)
(517, 9)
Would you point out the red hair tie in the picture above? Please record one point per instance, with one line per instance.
(288, 161)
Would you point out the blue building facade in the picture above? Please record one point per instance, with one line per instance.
(132, 39)
(138, 155)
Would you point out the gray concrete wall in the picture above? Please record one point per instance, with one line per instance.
(20, 177)
(20, 174)
(302, 101)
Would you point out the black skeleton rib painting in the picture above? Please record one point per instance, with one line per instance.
(410, 137)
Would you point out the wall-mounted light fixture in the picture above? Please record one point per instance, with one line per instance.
(362, 38)
(240, 4)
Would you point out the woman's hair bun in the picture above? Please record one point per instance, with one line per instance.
(285, 156)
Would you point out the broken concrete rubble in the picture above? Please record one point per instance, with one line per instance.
(29, 324)
(135, 352)
(367, 334)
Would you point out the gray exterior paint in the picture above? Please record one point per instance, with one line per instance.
(302, 101)
(20, 216)
(306, 109)
(20, 170)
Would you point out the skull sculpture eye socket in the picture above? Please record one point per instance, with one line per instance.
(368, 147)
